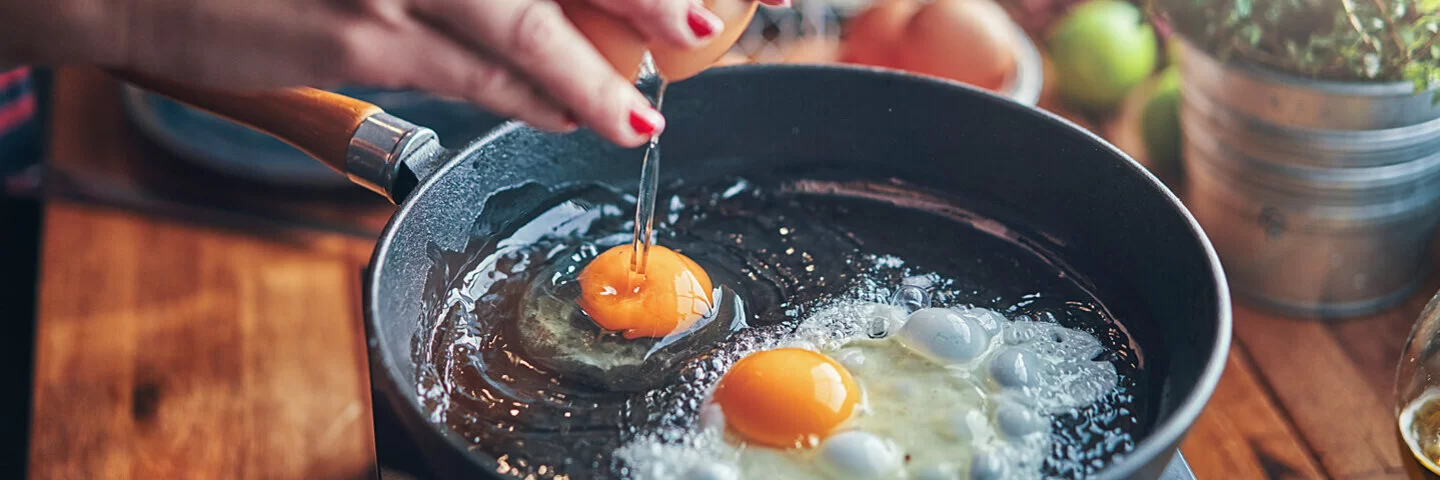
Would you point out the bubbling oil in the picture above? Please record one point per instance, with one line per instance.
(777, 250)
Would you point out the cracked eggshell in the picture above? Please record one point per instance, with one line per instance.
(612, 36)
(676, 64)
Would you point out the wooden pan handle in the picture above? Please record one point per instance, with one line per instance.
(315, 121)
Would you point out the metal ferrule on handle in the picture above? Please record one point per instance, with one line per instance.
(379, 150)
(374, 149)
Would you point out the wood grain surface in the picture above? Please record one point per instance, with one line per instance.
(97, 156)
(168, 350)
(184, 347)
(190, 346)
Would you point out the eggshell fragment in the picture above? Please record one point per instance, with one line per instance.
(676, 64)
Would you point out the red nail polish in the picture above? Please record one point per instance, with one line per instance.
(646, 121)
(699, 23)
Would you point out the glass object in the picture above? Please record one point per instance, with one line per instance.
(1417, 388)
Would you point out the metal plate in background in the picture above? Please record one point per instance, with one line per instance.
(236, 150)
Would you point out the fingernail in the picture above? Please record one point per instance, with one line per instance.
(702, 22)
(646, 121)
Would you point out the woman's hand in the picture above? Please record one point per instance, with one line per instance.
(517, 58)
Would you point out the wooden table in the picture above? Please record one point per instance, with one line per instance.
(181, 348)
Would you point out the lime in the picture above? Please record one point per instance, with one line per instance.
(1101, 50)
(1160, 123)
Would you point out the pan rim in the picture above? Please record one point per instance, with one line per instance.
(1161, 443)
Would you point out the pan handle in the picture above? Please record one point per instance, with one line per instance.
(356, 138)
(315, 121)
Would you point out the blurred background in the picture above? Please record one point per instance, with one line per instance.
(1303, 136)
(972, 42)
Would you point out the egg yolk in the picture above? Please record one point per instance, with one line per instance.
(670, 296)
(785, 398)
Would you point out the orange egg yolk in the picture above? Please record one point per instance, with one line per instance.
(786, 398)
(670, 296)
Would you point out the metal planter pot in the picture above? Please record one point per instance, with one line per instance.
(1320, 196)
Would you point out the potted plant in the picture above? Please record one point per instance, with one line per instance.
(1311, 144)
(1343, 40)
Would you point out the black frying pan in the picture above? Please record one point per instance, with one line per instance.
(1104, 214)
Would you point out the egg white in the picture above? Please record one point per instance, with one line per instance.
(933, 405)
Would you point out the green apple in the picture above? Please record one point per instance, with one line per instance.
(1160, 122)
(1101, 50)
(1174, 51)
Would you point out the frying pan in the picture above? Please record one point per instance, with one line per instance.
(1139, 249)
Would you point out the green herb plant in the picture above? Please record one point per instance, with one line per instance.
(1349, 40)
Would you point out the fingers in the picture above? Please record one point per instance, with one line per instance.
(682, 23)
(535, 37)
(450, 69)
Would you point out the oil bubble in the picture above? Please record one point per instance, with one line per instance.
(911, 298)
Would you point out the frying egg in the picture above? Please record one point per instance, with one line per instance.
(941, 393)
(963, 40)
(785, 398)
(860, 455)
(943, 335)
(873, 36)
(669, 297)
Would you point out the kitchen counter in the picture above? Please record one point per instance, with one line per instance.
(191, 343)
